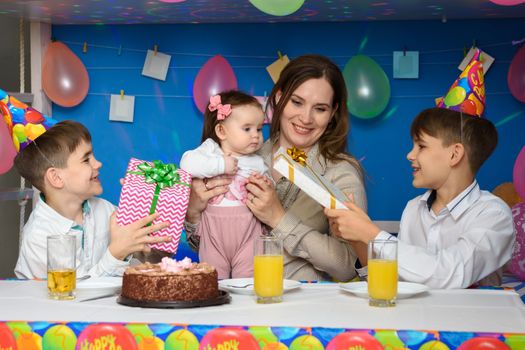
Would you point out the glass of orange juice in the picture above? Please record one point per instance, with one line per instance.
(61, 267)
(268, 269)
(382, 272)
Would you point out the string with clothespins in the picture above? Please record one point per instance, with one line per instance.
(23, 201)
(121, 48)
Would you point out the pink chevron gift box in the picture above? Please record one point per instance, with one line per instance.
(155, 187)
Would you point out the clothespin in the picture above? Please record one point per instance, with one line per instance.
(404, 50)
(155, 49)
(474, 43)
(119, 50)
(280, 55)
(122, 94)
(84, 49)
(464, 51)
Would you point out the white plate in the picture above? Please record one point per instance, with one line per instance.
(245, 285)
(99, 285)
(404, 289)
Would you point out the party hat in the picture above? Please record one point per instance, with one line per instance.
(24, 123)
(467, 94)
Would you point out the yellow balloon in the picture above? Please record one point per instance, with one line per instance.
(34, 130)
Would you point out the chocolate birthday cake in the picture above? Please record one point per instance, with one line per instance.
(170, 280)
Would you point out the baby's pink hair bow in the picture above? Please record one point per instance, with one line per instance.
(222, 110)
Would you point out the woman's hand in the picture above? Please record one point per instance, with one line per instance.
(202, 190)
(263, 200)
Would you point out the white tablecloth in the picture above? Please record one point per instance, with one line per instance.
(312, 305)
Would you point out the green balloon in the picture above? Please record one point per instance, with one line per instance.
(368, 87)
(278, 7)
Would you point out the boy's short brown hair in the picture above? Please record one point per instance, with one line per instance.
(478, 135)
(51, 149)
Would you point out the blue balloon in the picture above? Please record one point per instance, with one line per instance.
(463, 82)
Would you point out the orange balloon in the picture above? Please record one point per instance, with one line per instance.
(64, 77)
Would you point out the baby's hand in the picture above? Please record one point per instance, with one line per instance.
(230, 165)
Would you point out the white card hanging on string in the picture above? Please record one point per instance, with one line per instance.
(122, 108)
(156, 65)
(277, 67)
(485, 58)
(406, 64)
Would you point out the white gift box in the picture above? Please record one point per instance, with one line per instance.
(314, 185)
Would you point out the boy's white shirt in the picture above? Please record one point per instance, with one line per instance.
(467, 241)
(207, 160)
(94, 259)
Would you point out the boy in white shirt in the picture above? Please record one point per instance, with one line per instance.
(454, 235)
(61, 164)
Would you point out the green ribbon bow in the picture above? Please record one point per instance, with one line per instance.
(160, 174)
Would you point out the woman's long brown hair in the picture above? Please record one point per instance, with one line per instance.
(333, 142)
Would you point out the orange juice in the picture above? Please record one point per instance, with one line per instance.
(268, 275)
(61, 283)
(382, 279)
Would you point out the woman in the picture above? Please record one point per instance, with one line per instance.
(310, 113)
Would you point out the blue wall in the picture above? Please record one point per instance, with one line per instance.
(167, 122)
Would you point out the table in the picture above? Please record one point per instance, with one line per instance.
(320, 310)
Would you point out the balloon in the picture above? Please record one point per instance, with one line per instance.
(113, 335)
(518, 173)
(368, 87)
(59, 337)
(354, 340)
(7, 149)
(227, 337)
(181, 339)
(455, 96)
(507, 2)
(64, 77)
(507, 193)
(7, 339)
(516, 75)
(215, 76)
(278, 7)
(483, 343)
(469, 107)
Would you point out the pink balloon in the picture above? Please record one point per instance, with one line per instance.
(516, 75)
(215, 76)
(518, 173)
(64, 77)
(507, 2)
(7, 149)
(517, 263)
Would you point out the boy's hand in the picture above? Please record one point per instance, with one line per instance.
(351, 224)
(230, 165)
(134, 237)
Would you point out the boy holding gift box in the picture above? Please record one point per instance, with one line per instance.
(454, 235)
(155, 187)
(61, 164)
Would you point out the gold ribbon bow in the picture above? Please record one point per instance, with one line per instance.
(297, 155)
